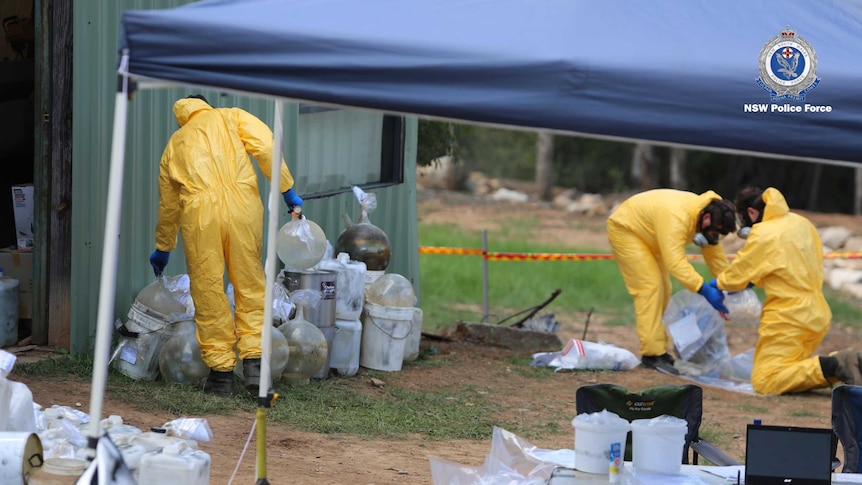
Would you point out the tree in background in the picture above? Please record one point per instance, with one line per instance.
(545, 165)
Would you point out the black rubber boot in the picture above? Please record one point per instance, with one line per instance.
(251, 375)
(219, 383)
(662, 363)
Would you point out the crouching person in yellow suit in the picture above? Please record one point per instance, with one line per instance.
(784, 256)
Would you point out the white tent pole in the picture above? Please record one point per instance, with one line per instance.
(272, 230)
(108, 279)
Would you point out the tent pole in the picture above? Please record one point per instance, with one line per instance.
(265, 396)
(108, 278)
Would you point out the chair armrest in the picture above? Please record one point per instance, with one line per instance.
(710, 452)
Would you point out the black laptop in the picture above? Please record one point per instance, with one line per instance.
(788, 455)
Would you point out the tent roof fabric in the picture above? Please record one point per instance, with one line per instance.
(667, 71)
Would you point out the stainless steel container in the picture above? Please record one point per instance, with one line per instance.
(322, 281)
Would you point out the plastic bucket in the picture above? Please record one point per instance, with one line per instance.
(20, 454)
(593, 441)
(384, 333)
(58, 471)
(411, 347)
(8, 310)
(657, 445)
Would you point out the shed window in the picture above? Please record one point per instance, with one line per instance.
(340, 148)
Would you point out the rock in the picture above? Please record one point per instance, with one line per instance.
(505, 194)
(834, 236)
(839, 277)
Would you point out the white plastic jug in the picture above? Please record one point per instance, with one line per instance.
(174, 465)
(350, 284)
(22, 417)
(344, 354)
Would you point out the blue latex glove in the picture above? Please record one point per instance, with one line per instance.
(158, 260)
(291, 199)
(713, 295)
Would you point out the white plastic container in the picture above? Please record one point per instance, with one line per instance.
(22, 417)
(173, 465)
(58, 471)
(344, 354)
(19, 452)
(8, 310)
(657, 445)
(5, 402)
(157, 439)
(350, 284)
(384, 333)
(414, 339)
(594, 435)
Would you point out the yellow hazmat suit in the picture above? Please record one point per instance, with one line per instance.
(784, 256)
(648, 233)
(208, 191)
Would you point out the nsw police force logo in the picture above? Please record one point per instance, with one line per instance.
(788, 67)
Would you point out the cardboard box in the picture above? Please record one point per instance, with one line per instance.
(22, 204)
(19, 265)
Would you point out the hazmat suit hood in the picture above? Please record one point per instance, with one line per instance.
(185, 108)
(776, 205)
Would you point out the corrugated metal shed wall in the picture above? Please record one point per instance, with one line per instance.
(150, 123)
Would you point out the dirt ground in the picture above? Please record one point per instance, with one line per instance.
(299, 458)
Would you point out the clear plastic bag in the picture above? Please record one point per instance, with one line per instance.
(697, 331)
(581, 354)
(743, 306)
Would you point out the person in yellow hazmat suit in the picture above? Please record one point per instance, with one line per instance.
(784, 256)
(648, 233)
(208, 192)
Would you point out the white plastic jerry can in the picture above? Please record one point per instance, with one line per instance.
(175, 465)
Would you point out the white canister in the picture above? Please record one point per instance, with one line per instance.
(350, 282)
(173, 465)
(20, 454)
(344, 354)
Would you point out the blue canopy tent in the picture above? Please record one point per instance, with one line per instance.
(678, 72)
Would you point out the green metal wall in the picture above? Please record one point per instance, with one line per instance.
(150, 124)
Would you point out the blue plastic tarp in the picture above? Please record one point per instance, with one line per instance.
(667, 71)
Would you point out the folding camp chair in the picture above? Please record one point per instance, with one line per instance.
(682, 401)
(847, 426)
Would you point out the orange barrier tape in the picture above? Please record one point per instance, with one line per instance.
(498, 256)
(843, 255)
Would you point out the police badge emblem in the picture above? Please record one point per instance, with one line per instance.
(788, 66)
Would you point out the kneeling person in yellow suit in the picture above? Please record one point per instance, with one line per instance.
(208, 191)
(648, 233)
(784, 256)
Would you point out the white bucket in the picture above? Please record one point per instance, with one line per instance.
(344, 354)
(384, 333)
(411, 347)
(20, 454)
(657, 445)
(58, 471)
(594, 435)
